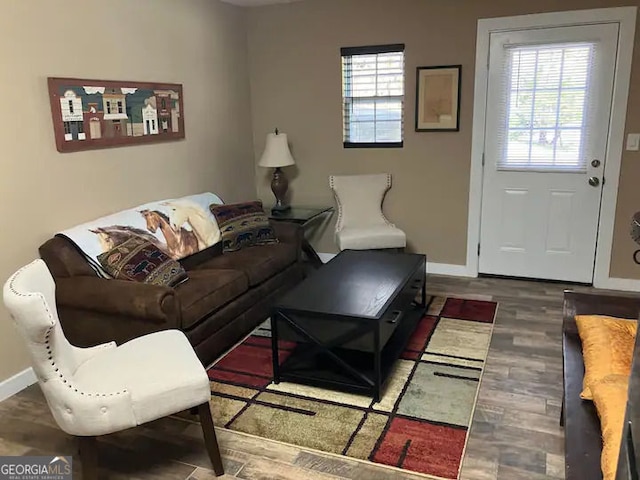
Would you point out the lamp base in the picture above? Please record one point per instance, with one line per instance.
(279, 186)
(280, 209)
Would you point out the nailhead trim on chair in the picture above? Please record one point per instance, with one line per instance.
(385, 192)
(335, 195)
(47, 344)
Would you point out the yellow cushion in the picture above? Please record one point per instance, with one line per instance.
(610, 398)
(607, 348)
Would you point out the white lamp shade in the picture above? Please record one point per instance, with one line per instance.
(276, 152)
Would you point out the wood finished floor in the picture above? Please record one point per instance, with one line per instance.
(515, 433)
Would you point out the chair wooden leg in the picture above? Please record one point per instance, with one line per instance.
(88, 449)
(210, 440)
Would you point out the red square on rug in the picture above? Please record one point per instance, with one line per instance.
(418, 340)
(247, 364)
(422, 447)
(476, 310)
(237, 378)
(258, 341)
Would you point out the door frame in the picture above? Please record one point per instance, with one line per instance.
(626, 18)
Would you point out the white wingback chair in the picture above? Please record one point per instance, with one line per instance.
(106, 388)
(361, 225)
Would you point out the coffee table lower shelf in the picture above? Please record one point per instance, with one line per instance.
(368, 369)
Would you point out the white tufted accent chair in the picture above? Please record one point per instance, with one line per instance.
(361, 225)
(106, 388)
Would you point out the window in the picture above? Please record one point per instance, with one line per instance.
(71, 107)
(373, 96)
(120, 107)
(545, 121)
(80, 127)
(163, 104)
(108, 107)
(67, 128)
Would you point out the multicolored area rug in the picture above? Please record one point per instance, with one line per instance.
(420, 424)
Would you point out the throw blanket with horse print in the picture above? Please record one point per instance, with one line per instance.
(180, 227)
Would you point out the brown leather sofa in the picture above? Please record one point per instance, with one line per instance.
(227, 294)
(582, 435)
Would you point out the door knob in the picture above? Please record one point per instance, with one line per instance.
(594, 181)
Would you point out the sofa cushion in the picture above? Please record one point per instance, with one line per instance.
(243, 225)
(138, 260)
(607, 347)
(207, 291)
(610, 398)
(258, 263)
(374, 236)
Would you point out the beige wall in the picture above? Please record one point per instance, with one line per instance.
(199, 43)
(296, 86)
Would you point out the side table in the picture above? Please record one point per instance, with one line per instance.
(303, 216)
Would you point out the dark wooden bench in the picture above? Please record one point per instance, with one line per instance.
(583, 442)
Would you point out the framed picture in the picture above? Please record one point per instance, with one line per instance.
(91, 114)
(438, 98)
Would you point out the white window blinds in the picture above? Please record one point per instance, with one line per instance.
(373, 95)
(545, 117)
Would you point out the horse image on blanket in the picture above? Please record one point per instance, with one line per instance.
(178, 227)
(180, 242)
(183, 212)
(114, 235)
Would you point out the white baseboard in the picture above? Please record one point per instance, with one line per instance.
(448, 269)
(17, 383)
(624, 284)
(433, 268)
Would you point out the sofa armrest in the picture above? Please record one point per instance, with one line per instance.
(288, 232)
(119, 297)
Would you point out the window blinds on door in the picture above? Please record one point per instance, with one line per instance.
(544, 99)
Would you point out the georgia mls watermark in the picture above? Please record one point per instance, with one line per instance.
(36, 468)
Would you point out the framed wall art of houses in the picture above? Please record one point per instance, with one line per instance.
(91, 114)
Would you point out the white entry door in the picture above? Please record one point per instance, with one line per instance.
(547, 120)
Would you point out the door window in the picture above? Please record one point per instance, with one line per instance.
(544, 97)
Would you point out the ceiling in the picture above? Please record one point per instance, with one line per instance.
(255, 3)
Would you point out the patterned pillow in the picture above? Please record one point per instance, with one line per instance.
(243, 225)
(139, 260)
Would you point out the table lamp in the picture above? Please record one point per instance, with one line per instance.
(277, 155)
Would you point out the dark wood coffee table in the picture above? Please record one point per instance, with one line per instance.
(346, 324)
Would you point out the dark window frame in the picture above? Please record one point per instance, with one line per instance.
(371, 50)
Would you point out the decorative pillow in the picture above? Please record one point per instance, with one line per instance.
(139, 260)
(610, 398)
(607, 347)
(243, 225)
